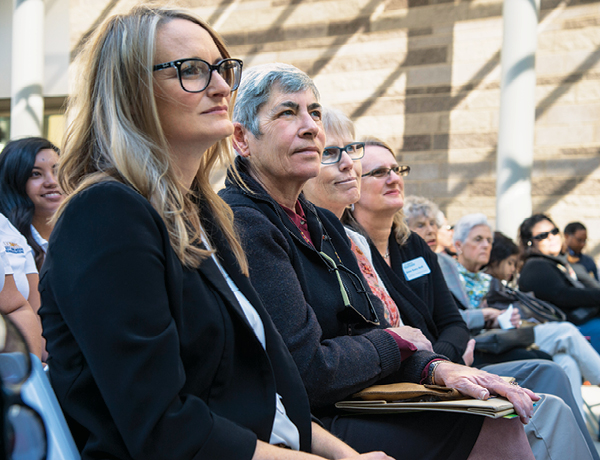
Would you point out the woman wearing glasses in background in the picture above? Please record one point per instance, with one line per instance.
(547, 274)
(421, 299)
(159, 346)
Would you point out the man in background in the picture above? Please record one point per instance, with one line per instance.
(575, 239)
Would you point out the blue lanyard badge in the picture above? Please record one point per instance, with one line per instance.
(415, 268)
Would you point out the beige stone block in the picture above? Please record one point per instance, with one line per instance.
(464, 204)
(265, 14)
(577, 39)
(423, 123)
(587, 91)
(570, 114)
(564, 135)
(422, 158)
(472, 140)
(571, 167)
(478, 29)
(472, 156)
(470, 121)
(430, 75)
(362, 82)
(596, 132)
(426, 16)
(429, 41)
(466, 13)
(468, 171)
(474, 71)
(427, 171)
(482, 50)
(556, 94)
(380, 127)
(566, 63)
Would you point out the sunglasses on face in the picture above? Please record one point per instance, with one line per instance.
(384, 172)
(544, 235)
(333, 154)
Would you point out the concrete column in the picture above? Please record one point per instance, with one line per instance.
(27, 78)
(517, 115)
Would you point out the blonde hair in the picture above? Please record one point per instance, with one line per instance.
(401, 230)
(336, 123)
(115, 133)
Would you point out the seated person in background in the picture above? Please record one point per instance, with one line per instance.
(159, 346)
(29, 190)
(437, 317)
(303, 267)
(575, 235)
(15, 306)
(550, 276)
(561, 339)
(444, 235)
(22, 263)
(421, 221)
(469, 285)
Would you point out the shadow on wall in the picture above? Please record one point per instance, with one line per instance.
(441, 99)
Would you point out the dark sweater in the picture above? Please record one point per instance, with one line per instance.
(424, 302)
(547, 278)
(337, 352)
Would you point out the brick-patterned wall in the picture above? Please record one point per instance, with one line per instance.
(424, 76)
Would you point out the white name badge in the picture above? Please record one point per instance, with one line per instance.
(415, 268)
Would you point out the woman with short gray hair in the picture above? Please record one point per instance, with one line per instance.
(473, 240)
(421, 217)
(302, 265)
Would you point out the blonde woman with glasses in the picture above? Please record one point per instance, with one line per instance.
(159, 347)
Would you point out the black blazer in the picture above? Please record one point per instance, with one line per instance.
(424, 302)
(150, 359)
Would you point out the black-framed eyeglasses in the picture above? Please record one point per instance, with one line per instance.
(384, 172)
(544, 235)
(350, 314)
(23, 433)
(333, 154)
(195, 74)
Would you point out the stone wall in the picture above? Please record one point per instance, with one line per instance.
(424, 76)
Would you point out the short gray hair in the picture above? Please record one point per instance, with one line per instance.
(465, 224)
(439, 218)
(256, 87)
(416, 206)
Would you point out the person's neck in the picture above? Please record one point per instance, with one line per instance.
(285, 193)
(186, 160)
(378, 227)
(473, 267)
(42, 225)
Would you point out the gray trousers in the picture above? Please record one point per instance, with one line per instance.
(557, 430)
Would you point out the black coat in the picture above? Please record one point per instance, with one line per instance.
(336, 351)
(424, 302)
(547, 278)
(149, 359)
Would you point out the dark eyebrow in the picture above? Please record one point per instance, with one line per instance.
(314, 105)
(289, 104)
